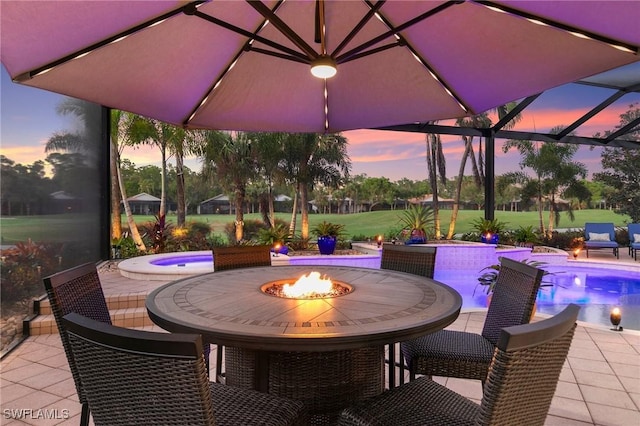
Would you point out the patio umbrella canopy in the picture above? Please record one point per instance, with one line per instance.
(246, 65)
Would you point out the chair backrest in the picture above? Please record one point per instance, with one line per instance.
(513, 297)
(140, 377)
(634, 229)
(417, 260)
(76, 290)
(240, 257)
(599, 228)
(525, 370)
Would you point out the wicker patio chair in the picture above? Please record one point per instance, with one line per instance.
(76, 290)
(522, 380)
(140, 377)
(417, 260)
(468, 355)
(234, 257)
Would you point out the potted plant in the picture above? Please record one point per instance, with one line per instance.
(415, 220)
(489, 230)
(525, 236)
(276, 237)
(327, 234)
(488, 279)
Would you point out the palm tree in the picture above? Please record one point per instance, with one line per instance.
(477, 121)
(179, 148)
(269, 148)
(436, 166)
(310, 158)
(555, 174)
(124, 129)
(168, 138)
(231, 157)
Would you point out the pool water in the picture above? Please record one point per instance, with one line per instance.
(597, 291)
(191, 260)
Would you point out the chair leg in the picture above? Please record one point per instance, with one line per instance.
(391, 347)
(219, 356)
(205, 352)
(402, 369)
(84, 415)
(412, 373)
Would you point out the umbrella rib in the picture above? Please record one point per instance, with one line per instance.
(403, 42)
(278, 55)
(394, 31)
(373, 9)
(294, 55)
(283, 28)
(251, 35)
(372, 51)
(578, 32)
(115, 38)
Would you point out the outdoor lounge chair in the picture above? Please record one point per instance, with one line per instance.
(634, 239)
(76, 290)
(413, 259)
(234, 257)
(599, 236)
(468, 355)
(135, 377)
(524, 373)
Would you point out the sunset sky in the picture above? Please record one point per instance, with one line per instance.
(28, 119)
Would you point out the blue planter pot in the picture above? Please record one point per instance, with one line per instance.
(493, 238)
(417, 237)
(327, 244)
(282, 250)
(416, 240)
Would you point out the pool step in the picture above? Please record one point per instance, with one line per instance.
(125, 310)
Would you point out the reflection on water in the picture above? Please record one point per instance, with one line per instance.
(596, 291)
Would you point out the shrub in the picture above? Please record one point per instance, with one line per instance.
(23, 267)
(299, 243)
(251, 231)
(325, 228)
(277, 234)
(563, 240)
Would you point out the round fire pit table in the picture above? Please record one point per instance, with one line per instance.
(328, 352)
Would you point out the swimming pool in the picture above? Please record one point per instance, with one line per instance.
(596, 290)
(596, 287)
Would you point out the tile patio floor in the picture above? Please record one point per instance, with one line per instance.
(599, 385)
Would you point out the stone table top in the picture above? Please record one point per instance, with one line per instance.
(229, 308)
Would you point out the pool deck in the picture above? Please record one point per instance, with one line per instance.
(599, 385)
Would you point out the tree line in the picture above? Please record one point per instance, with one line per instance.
(252, 167)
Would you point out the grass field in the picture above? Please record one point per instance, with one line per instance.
(76, 227)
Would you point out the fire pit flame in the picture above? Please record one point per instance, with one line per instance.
(308, 286)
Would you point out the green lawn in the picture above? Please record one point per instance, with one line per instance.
(52, 228)
(74, 227)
